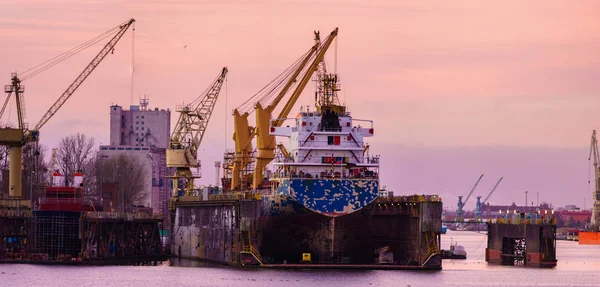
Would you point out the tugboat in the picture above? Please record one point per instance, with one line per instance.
(456, 252)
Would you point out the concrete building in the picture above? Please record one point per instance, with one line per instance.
(144, 134)
(140, 126)
(154, 162)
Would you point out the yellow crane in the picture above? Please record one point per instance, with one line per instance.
(244, 134)
(182, 153)
(595, 220)
(16, 138)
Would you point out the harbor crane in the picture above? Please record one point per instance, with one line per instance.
(460, 216)
(16, 138)
(182, 153)
(480, 203)
(264, 104)
(595, 220)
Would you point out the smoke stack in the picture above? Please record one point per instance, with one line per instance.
(78, 179)
(57, 178)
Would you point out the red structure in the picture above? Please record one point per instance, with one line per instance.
(65, 198)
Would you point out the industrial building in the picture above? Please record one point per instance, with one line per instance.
(143, 134)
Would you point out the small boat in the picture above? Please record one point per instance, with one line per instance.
(456, 252)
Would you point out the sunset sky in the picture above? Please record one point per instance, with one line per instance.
(456, 88)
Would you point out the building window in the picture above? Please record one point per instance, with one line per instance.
(142, 128)
(137, 128)
(137, 123)
(142, 117)
(142, 123)
(137, 117)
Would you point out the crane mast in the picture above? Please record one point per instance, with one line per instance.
(17, 138)
(265, 142)
(244, 133)
(185, 140)
(461, 204)
(595, 220)
(480, 203)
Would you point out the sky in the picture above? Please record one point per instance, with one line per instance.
(455, 88)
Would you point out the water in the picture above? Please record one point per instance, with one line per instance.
(578, 265)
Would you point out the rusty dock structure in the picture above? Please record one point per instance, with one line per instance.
(400, 232)
(521, 241)
(73, 238)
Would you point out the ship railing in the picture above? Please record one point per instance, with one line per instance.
(327, 175)
(61, 200)
(525, 221)
(410, 198)
(250, 249)
(222, 196)
(371, 159)
(121, 215)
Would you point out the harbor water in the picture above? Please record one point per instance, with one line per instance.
(578, 265)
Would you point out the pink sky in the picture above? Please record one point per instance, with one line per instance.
(437, 77)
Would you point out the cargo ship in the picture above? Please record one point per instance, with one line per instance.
(320, 206)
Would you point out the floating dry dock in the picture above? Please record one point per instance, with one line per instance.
(400, 232)
(89, 238)
(519, 241)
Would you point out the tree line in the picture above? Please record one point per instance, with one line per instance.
(77, 153)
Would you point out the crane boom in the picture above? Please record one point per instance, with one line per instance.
(84, 74)
(193, 120)
(315, 64)
(265, 142)
(492, 191)
(17, 138)
(595, 220)
(185, 140)
(472, 189)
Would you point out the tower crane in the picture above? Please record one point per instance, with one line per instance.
(182, 153)
(459, 212)
(480, 203)
(595, 220)
(298, 74)
(16, 138)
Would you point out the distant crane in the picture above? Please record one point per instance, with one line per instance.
(182, 153)
(595, 220)
(16, 138)
(460, 216)
(479, 203)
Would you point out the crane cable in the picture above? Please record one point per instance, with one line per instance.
(32, 72)
(247, 105)
(268, 93)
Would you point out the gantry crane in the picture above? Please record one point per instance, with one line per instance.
(244, 134)
(480, 203)
(595, 220)
(460, 216)
(182, 153)
(16, 138)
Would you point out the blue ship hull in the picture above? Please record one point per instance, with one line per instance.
(330, 197)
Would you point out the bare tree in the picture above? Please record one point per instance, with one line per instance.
(35, 170)
(129, 175)
(74, 153)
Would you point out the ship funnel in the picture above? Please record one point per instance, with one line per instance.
(57, 178)
(78, 179)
